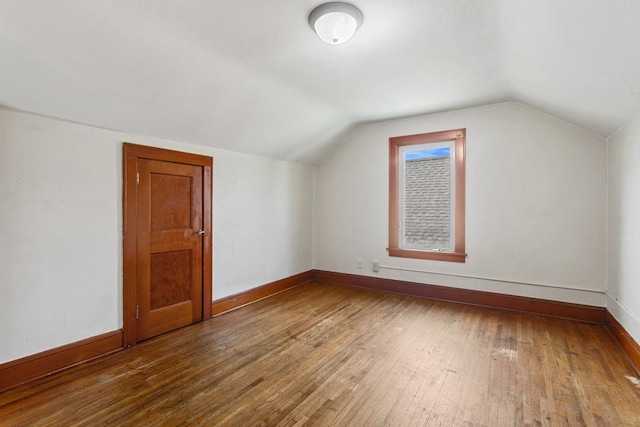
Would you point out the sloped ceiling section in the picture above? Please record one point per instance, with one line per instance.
(251, 76)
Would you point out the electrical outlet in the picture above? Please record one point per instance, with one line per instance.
(359, 263)
(375, 266)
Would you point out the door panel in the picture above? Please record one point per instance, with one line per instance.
(170, 200)
(169, 247)
(170, 278)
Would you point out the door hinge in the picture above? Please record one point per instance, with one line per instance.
(137, 312)
(137, 177)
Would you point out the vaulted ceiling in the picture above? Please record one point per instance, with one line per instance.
(251, 76)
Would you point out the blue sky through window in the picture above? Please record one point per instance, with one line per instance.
(427, 154)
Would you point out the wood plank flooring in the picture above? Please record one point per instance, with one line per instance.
(329, 355)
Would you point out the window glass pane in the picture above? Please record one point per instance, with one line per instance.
(427, 198)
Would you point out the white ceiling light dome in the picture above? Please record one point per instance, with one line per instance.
(335, 22)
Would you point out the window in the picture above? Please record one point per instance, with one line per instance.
(426, 196)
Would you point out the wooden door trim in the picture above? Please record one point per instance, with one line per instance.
(130, 155)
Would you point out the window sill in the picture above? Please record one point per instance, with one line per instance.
(432, 255)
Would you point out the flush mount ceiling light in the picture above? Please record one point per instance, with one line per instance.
(335, 22)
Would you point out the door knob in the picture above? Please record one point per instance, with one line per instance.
(201, 231)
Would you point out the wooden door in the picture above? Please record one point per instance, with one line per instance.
(170, 230)
(167, 241)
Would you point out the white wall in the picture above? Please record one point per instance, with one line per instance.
(623, 292)
(61, 228)
(535, 214)
(536, 198)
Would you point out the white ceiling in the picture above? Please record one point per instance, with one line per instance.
(251, 76)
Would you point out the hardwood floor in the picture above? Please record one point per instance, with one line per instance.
(330, 355)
